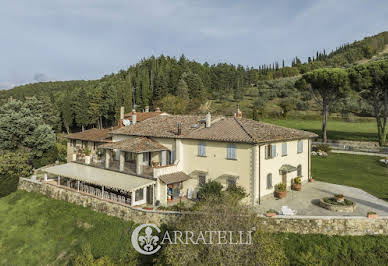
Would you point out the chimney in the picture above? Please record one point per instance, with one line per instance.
(147, 109)
(133, 116)
(239, 113)
(208, 119)
(179, 128)
(157, 109)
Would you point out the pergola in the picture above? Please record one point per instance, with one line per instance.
(107, 180)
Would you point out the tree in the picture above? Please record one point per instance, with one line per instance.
(371, 81)
(81, 108)
(287, 105)
(327, 85)
(222, 215)
(182, 90)
(173, 104)
(12, 166)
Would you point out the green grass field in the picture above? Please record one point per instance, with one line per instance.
(359, 171)
(338, 130)
(36, 230)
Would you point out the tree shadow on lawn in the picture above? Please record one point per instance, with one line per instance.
(344, 135)
(360, 201)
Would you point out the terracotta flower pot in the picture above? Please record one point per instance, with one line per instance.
(297, 187)
(311, 180)
(340, 199)
(270, 214)
(280, 194)
(373, 215)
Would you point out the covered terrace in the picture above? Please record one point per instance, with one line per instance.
(110, 185)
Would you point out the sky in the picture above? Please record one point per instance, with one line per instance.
(47, 40)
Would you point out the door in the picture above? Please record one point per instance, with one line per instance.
(150, 195)
(284, 178)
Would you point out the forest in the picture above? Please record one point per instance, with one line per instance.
(182, 86)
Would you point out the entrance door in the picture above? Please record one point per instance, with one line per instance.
(150, 195)
(284, 178)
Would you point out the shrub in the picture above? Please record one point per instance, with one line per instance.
(210, 189)
(323, 147)
(280, 187)
(237, 192)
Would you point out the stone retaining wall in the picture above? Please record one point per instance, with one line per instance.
(96, 204)
(333, 225)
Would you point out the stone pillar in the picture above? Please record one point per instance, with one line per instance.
(157, 190)
(102, 192)
(132, 198)
(59, 180)
(45, 177)
(164, 158)
(107, 158)
(139, 161)
(122, 160)
(78, 185)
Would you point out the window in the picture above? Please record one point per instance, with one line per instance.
(284, 149)
(202, 180)
(231, 152)
(299, 170)
(270, 151)
(171, 157)
(201, 149)
(300, 146)
(269, 181)
(139, 194)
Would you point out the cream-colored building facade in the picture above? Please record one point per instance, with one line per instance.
(181, 153)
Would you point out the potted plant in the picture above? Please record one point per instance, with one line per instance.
(339, 197)
(297, 183)
(87, 153)
(372, 215)
(280, 190)
(270, 213)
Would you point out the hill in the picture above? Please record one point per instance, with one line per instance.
(166, 81)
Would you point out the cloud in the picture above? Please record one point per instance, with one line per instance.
(86, 39)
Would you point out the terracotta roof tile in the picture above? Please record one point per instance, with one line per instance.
(228, 129)
(135, 145)
(141, 116)
(94, 134)
(174, 178)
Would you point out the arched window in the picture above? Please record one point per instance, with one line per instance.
(269, 181)
(299, 170)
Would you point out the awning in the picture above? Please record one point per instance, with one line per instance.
(135, 145)
(287, 168)
(198, 172)
(174, 178)
(98, 176)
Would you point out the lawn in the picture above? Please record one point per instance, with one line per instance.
(339, 130)
(36, 230)
(359, 171)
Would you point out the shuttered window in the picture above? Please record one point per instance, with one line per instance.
(270, 151)
(284, 148)
(300, 146)
(201, 149)
(299, 170)
(231, 152)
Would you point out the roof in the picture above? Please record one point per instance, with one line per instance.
(141, 116)
(98, 176)
(94, 134)
(135, 145)
(174, 178)
(227, 129)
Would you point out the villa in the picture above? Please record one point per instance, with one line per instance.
(167, 157)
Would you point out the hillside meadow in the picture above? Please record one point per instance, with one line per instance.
(36, 230)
